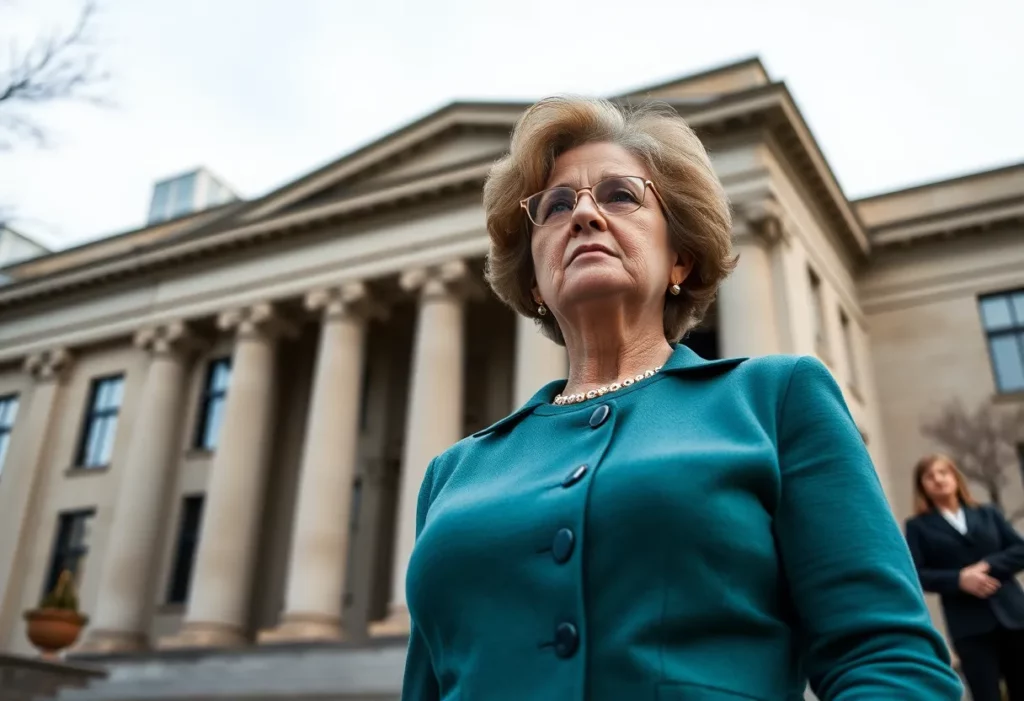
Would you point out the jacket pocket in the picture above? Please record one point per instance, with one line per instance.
(700, 692)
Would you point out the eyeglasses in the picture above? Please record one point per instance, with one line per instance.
(614, 196)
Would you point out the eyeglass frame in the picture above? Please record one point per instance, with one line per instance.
(576, 195)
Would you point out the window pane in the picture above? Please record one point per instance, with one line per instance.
(8, 411)
(1018, 308)
(1006, 356)
(158, 208)
(184, 195)
(995, 313)
(221, 375)
(5, 440)
(110, 392)
(214, 418)
(108, 426)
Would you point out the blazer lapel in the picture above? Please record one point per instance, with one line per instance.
(939, 521)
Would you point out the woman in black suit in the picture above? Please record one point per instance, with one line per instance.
(968, 554)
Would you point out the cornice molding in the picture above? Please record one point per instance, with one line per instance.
(769, 106)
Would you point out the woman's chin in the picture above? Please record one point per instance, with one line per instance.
(593, 288)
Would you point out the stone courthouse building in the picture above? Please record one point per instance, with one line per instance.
(219, 421)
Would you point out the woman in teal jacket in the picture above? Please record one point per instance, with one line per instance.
(657, 526)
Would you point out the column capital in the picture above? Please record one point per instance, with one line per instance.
(760, 220)
(49, 365)
(174, 337)
(260, 319)
(352, 299)
(452, 277)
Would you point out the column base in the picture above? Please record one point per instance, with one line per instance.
(101, 642)
(301, 627)
(397, 623)
(199, 634)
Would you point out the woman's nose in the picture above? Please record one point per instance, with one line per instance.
(587, 215)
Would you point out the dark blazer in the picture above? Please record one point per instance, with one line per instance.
(716, 532)
(940, 552)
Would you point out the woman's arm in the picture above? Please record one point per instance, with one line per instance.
(863, 620)
(420, 682)
(1010, 560)
(933, 580)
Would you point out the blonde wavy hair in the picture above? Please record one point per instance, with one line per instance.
(694, 202)
(922, 504)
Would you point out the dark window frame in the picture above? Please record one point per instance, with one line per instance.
(92, 418)
(201, 440)
(62, 549)
(7, 424)
(1014, 331)
(186, 546)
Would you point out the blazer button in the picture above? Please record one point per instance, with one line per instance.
(563, 544)
(575, 476)
(567, 640)
(600, 415)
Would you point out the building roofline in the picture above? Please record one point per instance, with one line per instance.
(751, 61)
(954, 180)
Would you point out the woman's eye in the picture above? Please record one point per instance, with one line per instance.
(622, 196)
(557, 205)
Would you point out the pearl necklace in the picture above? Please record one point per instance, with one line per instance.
(561, 400)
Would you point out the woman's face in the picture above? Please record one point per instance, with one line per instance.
(595, 256)
(938, 481)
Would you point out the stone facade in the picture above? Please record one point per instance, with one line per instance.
(350, 308)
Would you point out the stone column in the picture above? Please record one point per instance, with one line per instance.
(748, 322)
(127, 578)
(218, 607)
(434, 415)
(539, 360)
(24, 474)
(320, 539)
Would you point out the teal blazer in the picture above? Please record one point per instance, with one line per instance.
(716, 532)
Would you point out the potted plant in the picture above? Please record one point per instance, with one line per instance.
(56, 624)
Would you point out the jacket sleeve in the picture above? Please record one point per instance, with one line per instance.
(866, 632)
(420, 681)
(933, 580)
(1010, 560)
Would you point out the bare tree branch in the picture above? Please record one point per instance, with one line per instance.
(57, 67)
(984, 444)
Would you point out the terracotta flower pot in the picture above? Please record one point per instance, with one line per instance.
(53, 630)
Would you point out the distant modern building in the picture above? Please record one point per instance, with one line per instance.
(224, 417)
(16, 247)
(187, 193)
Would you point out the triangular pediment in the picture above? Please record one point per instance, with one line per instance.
(708, 85)
(459, 135)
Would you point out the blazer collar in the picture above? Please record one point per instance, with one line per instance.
(970, 517)
(683, 361)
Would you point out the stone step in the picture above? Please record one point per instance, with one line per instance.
(323, 672)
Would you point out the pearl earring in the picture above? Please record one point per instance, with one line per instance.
(675, 290)
(542, 310)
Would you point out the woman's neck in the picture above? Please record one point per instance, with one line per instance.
(607, 354)
(951, 504)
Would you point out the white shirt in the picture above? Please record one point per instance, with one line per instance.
(957, 519)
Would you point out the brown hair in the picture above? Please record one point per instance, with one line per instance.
(695, 205)
(922, 504)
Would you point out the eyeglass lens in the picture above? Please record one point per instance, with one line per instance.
(614, 196)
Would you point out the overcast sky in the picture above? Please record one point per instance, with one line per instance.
(897, 92)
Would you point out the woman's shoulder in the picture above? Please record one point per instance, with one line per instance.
(784, 372)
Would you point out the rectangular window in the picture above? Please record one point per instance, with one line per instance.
(185, 552)
(1002, 315)
(71, 548)
(97, 443)
(8, 412)
(851, 357)
(211, 408)
(817, 314)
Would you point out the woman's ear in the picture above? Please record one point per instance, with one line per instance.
(681, 269)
